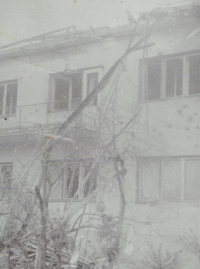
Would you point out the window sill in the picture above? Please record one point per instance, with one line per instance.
(59, 111)
(162, 202)
(170, 98)
(77, 200)
(69, 110)
(7, 116)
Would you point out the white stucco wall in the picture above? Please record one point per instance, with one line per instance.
(171, 126)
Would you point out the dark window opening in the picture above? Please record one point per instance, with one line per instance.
(76, 89)
(62, 93)
(92, 81)
(154, 80)
(194, 74)
(71, 180)
(67, 91)
(66, 180)
(6, 178)
(178, 75)
(90, 184)
(174, 77)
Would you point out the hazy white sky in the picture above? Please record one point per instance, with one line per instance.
(25, 18)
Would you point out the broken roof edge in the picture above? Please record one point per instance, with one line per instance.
(51, 41)
(68, 37)
(174, 11)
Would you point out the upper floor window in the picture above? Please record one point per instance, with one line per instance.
(92, 81)
(8, 98)
(5, 178)
(169, 179)
(174, 77)
(69, 180)
(168, 77)
(68, 90)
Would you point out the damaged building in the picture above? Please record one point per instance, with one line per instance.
(112, 103)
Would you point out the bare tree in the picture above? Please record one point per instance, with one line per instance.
(191, 242)
(159, 258)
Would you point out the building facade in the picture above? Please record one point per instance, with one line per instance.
(44, 81)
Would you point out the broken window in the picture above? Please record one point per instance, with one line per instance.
(68, 179)
(67, 92)
(8, 98)
(5, 178)
(194, 74)
(174, 77)
(170, 179)
(68, 89)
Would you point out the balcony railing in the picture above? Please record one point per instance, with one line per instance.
(48, 113)
(61, 105)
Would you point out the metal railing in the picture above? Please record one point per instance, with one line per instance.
(48, 113)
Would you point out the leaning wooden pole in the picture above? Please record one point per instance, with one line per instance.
(62, 132)
(101, 85)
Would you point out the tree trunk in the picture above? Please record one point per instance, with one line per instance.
(9, 261)
(43, 206)
(41, 238)
(120, 179)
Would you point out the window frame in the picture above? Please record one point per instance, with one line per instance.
(81, 165)
(187, 63)
(140, 177)
(4, 108)
(165, 77)
(83, 91)
(53, 102)
(143, 96)
(183, 160)
(85, 83)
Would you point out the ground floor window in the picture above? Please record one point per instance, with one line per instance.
(69, 179)
(6, 170)
(169, 179)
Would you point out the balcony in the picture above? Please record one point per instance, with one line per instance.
(27, 117)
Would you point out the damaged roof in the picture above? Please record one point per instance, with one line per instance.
(63, 38)
(178, 12)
